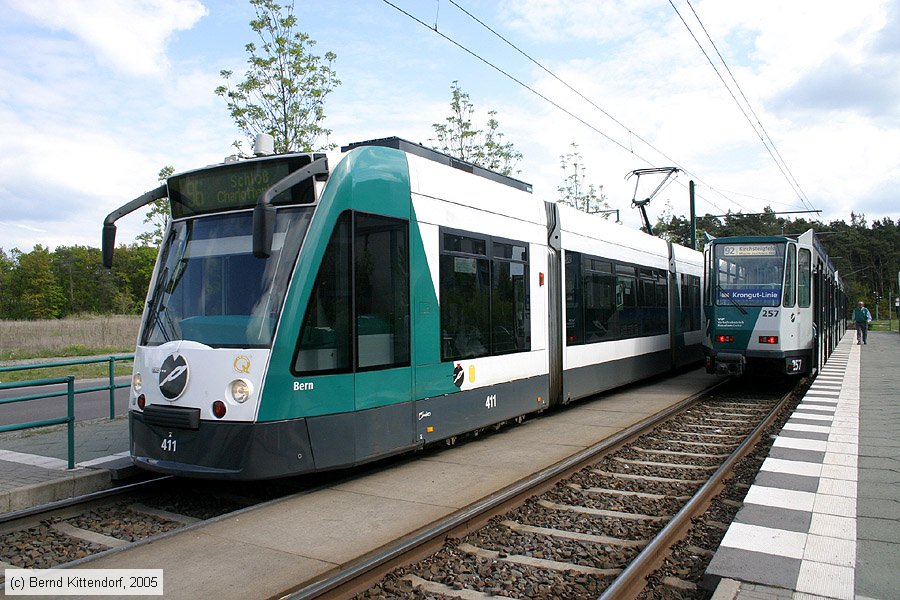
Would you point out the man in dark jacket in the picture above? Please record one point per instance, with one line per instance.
(862, 317)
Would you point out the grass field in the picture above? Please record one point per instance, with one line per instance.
(80, 336)
(37, 341)
(883, 325)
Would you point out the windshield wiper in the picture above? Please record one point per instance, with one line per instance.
(730, 299)
(155, 302)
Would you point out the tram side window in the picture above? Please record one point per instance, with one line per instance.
(382, 291)
(629, 323)
(653, 312)
(574, 308)
(790, 270)
(599, 300)
(326, 333)
(608, 301)
(804, 263)
(372, 253)
(484, 289)
(690, 302)
(510, 312)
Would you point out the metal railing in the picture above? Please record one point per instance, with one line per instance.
(69, 419)
(70, 393)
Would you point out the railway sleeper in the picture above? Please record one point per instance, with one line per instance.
(734, 415)
(537, 563)
(700, 551)
(612, 492)
(712, 435)
(87, 535)
(649, 478)
(750, 405)
(163, 514)
(433, 587)
(673, 453)
(676, 583)
(650, 463)
(596, 512)
(574, 535)
(684, 443)
(742, 426)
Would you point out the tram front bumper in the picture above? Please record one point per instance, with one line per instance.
(223, 450)
(729, 363)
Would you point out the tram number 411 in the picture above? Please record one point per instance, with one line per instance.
(491, 401)
(169, 444)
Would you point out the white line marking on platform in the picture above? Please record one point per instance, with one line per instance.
(35, 460)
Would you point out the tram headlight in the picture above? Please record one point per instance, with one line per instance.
(240, 390)
(137, 383)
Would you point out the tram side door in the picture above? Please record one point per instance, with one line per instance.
(818, 321)
(381, 298)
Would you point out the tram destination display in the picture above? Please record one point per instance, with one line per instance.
(235, 186)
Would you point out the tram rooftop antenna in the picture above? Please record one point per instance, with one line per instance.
(642, 204)
(264, 145)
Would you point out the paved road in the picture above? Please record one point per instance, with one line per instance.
(90, 405)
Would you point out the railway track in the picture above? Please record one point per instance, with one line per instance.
(597, 525)
(63, 533)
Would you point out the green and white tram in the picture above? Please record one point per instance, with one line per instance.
(317, 311)
(772, 304)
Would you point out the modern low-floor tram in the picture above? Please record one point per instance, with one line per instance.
(311, 312)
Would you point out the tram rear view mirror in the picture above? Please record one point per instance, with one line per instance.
(264, 212)
(263, 230)
(109, 244)
(109, 223)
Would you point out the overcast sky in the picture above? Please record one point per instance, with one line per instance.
(98, 95)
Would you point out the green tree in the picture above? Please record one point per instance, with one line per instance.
(867, 257)
(482, 147)
(35, 286)
(77, 270)
(7, 267)
(675, 228)
(132, 273)
(157, 215)
(575, 190)
(284, 89)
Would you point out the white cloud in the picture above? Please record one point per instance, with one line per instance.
(821, 76)
(130, 36)
(81, 140)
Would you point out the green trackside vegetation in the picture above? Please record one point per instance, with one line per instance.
(80, 372)
(884, 325)
(56, 340)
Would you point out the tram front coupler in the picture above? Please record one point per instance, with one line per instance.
(729, 364)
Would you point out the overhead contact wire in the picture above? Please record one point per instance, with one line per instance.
(554, 103)
(518, 81)
(803, 197)
(737, 102)
(595, 105)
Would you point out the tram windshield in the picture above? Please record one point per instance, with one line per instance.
(748, 274)
(211, 289)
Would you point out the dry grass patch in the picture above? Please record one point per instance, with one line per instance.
(76, 336)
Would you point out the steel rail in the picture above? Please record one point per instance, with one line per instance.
(632, 580)
(33, 511)
(336, 584)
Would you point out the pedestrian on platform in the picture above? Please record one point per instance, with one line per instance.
(862, 317)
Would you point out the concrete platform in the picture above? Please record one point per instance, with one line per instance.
(34, 467)
(268, 549)
(822, 519)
